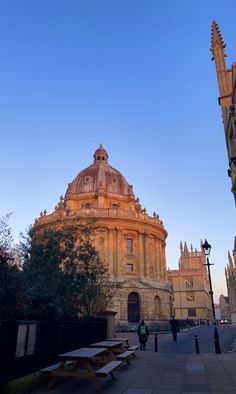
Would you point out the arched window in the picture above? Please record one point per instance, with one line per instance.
(133, 308)
(115, 206)
(157, 302)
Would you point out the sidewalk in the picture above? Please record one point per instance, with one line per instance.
(163, 373)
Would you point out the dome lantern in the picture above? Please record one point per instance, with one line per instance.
(100, 155)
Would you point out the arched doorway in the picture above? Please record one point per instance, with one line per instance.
(133, 308)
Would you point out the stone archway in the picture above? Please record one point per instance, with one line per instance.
(133, 308)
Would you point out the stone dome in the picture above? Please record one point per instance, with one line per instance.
(100, 176)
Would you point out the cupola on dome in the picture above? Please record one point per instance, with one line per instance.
(100, 176)
(100, 155)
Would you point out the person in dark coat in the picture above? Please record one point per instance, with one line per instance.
(174, 328)
(143, 335)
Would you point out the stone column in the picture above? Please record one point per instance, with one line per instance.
(110, 250)
(141, 254)
(110, 317)
(164, 261)
(118, 252)
(146, 250)
(160, 261)
(157, 270)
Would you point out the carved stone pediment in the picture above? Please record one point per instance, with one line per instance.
(135, 283)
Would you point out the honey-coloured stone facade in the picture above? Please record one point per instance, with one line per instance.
(130, 242)
(191, 286)
(230, 274)
(227, 98)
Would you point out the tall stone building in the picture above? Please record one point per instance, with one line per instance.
(227, 99)
(230, 273)
(191, 286)
(131, 242)
(224, 307)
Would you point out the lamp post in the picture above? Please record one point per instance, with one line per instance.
(207, 250)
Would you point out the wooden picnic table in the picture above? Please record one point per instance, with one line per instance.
(116, 350)
(80, 365)
(124, 340)
(112, 348)
(126, 346)
(107, 343)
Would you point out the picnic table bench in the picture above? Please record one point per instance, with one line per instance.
(125, 343)
(53, 367)
(126, 356)
(124, 340)
(108, 369)
(115, 350)
(135, 347)
(112, 348)
(78, 364)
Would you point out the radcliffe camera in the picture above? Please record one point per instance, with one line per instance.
(118, 174)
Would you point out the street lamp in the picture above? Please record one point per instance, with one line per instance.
(207, 250)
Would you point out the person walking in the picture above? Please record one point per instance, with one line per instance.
(174, 328)
(143, 335)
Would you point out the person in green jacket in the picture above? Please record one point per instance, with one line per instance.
(143, 335)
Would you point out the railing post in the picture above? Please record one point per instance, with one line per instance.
(196, 344)
(155, 341)
(217, 342)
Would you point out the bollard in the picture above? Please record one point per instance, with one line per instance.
(196, 344)
(155, 341)
(217, 341)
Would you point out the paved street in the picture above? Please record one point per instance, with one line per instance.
(175, 369)
(186, 343)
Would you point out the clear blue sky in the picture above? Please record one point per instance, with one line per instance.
(136, 76)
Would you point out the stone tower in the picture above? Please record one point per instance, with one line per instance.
(230, 274)
(191, 285)
(224, 76)
(227, 98)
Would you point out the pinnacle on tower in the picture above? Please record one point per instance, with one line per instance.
(185, 248)
(231, 265)
(223, 75)
(226, 273)
(234, 251)
(216, 39)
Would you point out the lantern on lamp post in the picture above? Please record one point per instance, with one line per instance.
(207, 250)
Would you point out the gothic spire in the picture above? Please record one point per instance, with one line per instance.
(185, 248)
(216, 39)
(218, 54)
(191, 247)
(234, 251)
(230, 260)
(226, 273)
